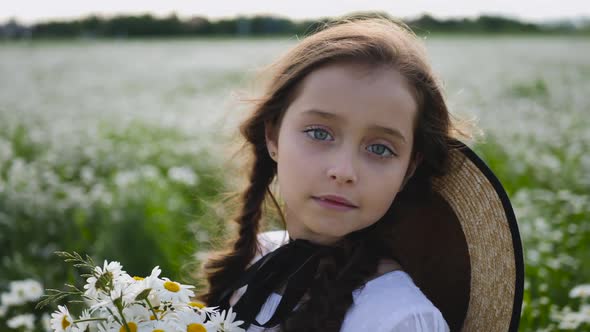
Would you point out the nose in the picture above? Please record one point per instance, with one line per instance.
(343, 171)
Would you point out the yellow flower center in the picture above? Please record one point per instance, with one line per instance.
(158, 330)
(158, 311)
(64, 322)
(132, 327)
(196, 305)
(172, 286)
(136, 278)
(195, 327)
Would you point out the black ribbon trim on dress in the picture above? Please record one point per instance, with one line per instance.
(293, 265)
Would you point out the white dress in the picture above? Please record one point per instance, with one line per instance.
(388, 303)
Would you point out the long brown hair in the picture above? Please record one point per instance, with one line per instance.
(375, 42)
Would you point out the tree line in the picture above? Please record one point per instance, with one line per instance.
(262, 25)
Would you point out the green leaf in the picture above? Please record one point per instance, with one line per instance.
(143, 295)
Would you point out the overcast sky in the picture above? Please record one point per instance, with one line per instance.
(29, 11)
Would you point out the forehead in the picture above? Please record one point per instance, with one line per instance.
(362, 94)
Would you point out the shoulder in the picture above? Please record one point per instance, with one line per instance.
(395, 288)
(392, 302)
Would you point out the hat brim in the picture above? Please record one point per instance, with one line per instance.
(463, 249)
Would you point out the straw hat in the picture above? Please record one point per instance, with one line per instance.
(464, 252)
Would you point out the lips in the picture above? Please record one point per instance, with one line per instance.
(336, 200)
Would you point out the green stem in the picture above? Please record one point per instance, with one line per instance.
(88, 320)
(152, 308)
(120, 309)
(125, 323)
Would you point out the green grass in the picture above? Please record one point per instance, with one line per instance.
(553, 223)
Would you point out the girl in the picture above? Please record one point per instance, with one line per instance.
(353, 126)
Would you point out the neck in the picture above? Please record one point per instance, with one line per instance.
(297, 231)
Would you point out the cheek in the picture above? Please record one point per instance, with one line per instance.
(382, 189)
(298, 156)
(383, 198)
(377, 208)
(294, 168)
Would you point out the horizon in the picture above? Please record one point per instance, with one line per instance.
(27, 12)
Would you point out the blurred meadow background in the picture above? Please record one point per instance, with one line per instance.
(118, 148)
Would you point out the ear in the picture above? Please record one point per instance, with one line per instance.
(411, 169)
(271, 138)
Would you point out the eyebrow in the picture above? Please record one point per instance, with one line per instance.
(386, 130)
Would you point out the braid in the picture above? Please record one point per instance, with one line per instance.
(222, 269)
(253, 198)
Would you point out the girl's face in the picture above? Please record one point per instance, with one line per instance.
(346, 137)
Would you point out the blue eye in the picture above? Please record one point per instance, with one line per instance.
(317, 134)
(381, 150)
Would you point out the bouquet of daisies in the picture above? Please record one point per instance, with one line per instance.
(115, 301)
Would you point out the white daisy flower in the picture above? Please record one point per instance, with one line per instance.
(27, 290)
(210, 311)
(225, 322)
(35, 290)
(27, 321)
(196, 307)
(134, 315)
(138, 313)
(124, 280)
(82, 326)
(102, 306)
(191, 321)
(113, 326)
(103, 279)
(12, 299)
(61, 320)
(173, 291)
(154, 299)
(119, 290)
(157, 326)
(184, 175)
(108, 326)
(140, 284)
(106, 302)
(46, 322)
(580, 291)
